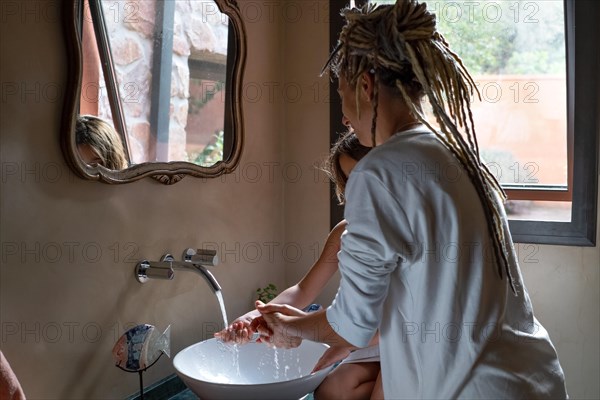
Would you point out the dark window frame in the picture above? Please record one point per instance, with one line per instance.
(583, 88)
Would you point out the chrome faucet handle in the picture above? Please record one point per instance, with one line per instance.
(145, 270)
(204, 257)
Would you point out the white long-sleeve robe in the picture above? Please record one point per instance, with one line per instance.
(417, 263)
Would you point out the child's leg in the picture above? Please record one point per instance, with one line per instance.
(378, 389)
(351, 381)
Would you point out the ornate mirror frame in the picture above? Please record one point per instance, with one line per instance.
(165, 172)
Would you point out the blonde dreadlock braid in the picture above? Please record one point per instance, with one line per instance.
(401, 47)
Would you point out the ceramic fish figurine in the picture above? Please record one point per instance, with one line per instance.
(140, 347)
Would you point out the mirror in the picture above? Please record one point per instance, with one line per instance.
(154, 89)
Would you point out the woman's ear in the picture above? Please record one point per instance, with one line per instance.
(367, 86)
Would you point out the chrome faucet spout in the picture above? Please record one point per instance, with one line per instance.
(200, 270)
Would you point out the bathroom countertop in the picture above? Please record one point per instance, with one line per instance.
(170, 388)
(185, 395)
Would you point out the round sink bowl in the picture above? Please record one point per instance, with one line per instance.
(215, 370)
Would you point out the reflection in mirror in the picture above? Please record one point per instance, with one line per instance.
(165, 75)
(99, 143)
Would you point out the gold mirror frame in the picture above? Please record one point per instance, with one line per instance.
(165, 172)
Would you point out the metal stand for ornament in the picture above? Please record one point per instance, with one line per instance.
(140, 348)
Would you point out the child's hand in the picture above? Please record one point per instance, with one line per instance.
(259, 325)
(240, 331)
(331, 356)
(276, 327)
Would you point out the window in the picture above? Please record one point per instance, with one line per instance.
(533, 76)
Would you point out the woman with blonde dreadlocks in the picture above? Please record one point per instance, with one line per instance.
(426, 258)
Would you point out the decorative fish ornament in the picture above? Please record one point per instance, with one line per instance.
(140, 347)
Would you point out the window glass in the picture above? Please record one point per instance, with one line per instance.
(515, 51)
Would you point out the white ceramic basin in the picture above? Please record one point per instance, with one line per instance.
(215, 370)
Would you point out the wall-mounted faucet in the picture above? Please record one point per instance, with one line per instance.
(193, 260)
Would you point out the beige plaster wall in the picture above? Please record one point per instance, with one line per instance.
(564, 286)
(69, 246)
(60, 315)
(306, 141)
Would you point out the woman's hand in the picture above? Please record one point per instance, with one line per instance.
(276, 327)
(240, 331)
(331, 356)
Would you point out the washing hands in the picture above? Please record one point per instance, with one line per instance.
(269, 323)
(276, 325)
(241, 330)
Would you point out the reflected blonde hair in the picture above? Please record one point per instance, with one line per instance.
(103, 139)
(400, 46)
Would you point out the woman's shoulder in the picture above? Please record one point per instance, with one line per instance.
(406, 151)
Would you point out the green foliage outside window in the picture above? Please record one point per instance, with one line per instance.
(212, 153)
(505, 36)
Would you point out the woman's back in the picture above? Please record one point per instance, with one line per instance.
(456, 329)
